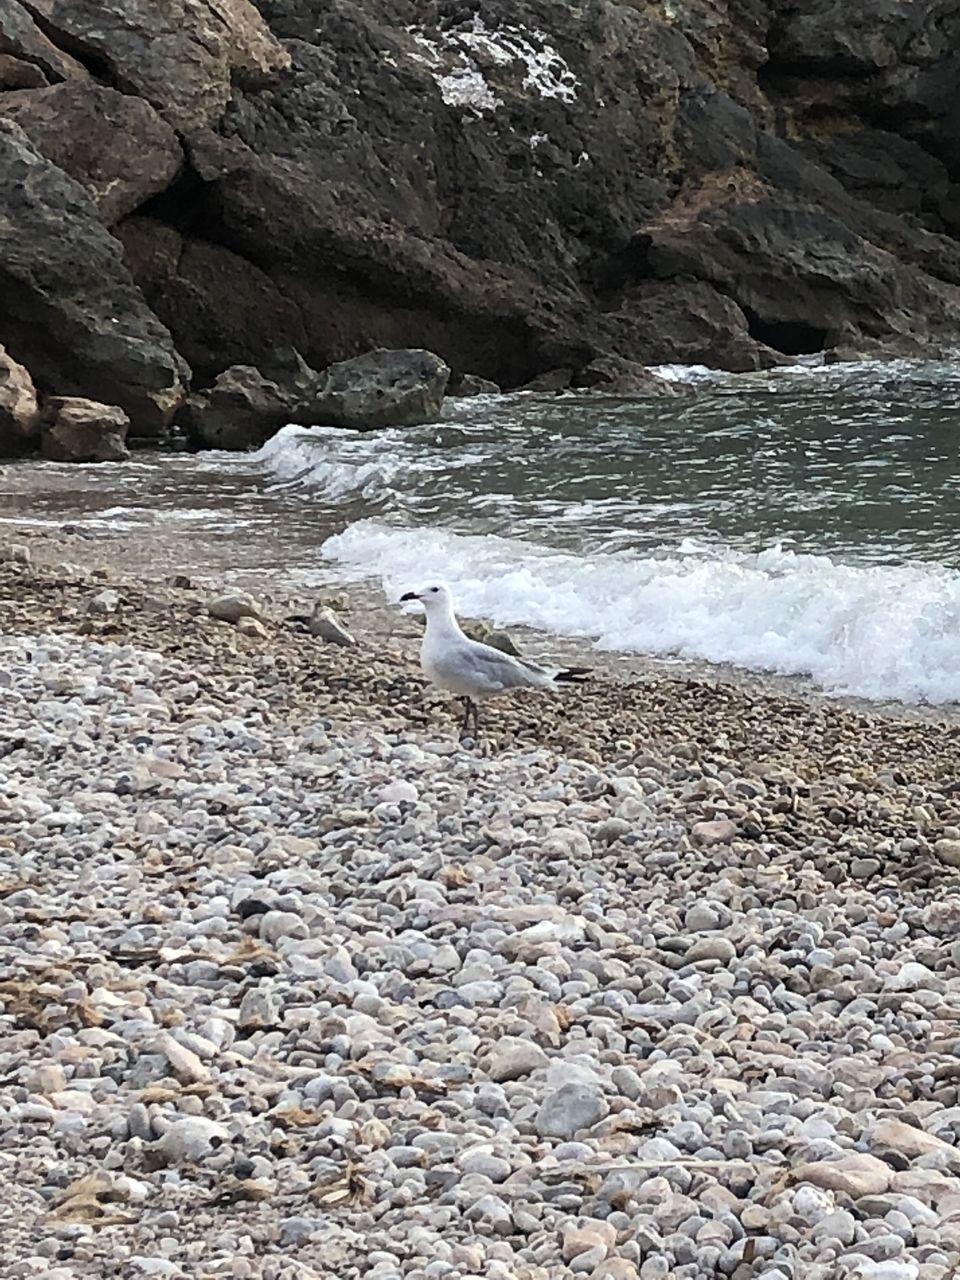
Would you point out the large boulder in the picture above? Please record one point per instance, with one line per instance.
(69, 306)
(379, 389)
(79, 430)
(799, 272)
(113, 143)
(240, 411)
(682, 320)
(19, 411)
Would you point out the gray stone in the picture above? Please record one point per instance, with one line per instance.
(513, 1058)
(241, 410)
(716, 831)
(76, 430)
(71, 310)
(469, 384)
(401, 388)
(192, 1138)
(569, 1109)
(325, 624)
(701, 918)
(715, 948)
(233, 606)
(275, 925)
(259, 1008)
(948, 851)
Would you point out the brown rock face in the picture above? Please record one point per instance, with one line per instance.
(19, 414)
(79, 430)
(17, 74)
(180, 55)
(517, 187)
(225, 309)
(21, 38)
(70, 308)
(115, 145)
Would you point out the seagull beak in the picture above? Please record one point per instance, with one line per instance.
(409, 595)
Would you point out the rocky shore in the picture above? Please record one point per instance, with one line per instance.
(657, 981)
(522, 188)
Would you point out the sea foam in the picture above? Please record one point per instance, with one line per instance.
(874, 631)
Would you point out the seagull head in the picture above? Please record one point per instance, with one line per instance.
(435, 597)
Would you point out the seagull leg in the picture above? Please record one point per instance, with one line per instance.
(476, 719)
(465, 725)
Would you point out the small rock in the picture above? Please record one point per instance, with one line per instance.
(701, 918)
(948, 851)
(569, 1109)
(252, 627)
(184, 1063)
(399, 792)
(718, 948)
(259, 1008)
(717, 831)
(896, 1135)
(233, 606)
(241, 410)
(470, 384)
(513, 1058)
(325, 624)
(192, 1138)
(103, 602)
(282, 924)
(616, 1269)
(77, 430)
(853, 1175)
(15, 553)
(19, 414)
(585, 1234)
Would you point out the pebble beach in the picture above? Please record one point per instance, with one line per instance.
(659, 978)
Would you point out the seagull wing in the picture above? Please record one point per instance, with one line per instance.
(494, 671)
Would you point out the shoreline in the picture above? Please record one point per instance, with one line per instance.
(365, 607)
(646, 976)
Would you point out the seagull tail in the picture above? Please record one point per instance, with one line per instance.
(572, 675)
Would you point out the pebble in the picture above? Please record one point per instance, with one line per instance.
(232, 606)
(715, 831)
(325, 624)
(569, 1109)
(191, 1138)
(513, 1058)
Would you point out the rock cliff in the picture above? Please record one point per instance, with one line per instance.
(516, 186)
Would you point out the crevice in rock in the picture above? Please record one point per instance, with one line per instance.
(181, 205)
(98, 66)
(791, 337)
(611, 274)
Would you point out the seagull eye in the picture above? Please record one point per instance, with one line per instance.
(434, 590)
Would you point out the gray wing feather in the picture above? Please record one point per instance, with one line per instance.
(498, 671)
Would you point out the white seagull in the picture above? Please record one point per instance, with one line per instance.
(473, 671)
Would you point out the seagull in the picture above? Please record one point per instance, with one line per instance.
(452, 661)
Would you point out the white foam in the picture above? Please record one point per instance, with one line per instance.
(877, 632)
(328, 462)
